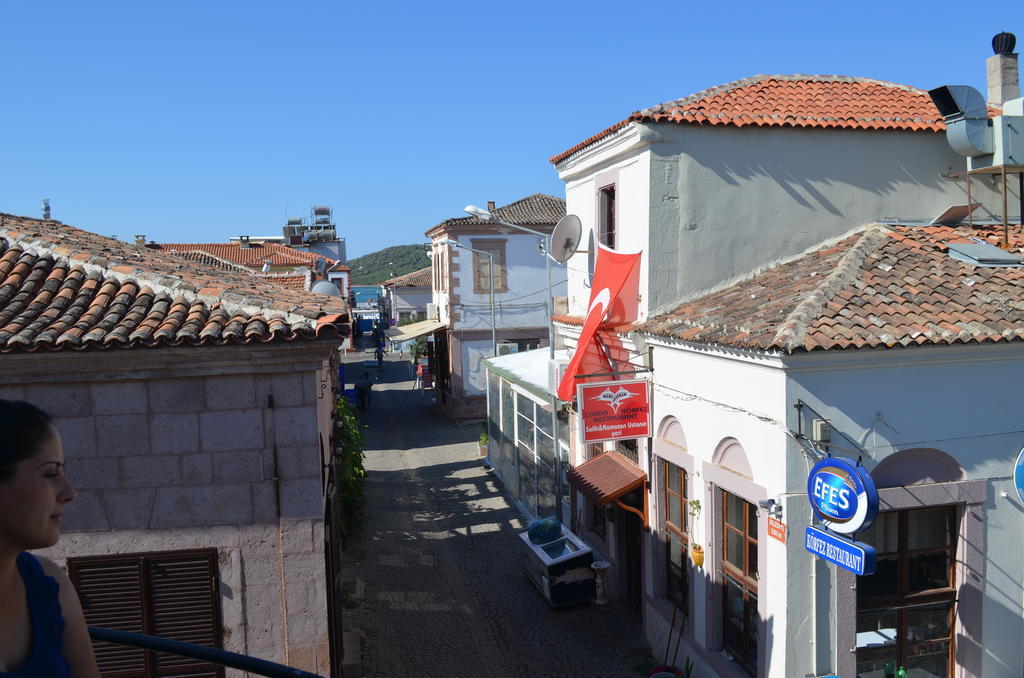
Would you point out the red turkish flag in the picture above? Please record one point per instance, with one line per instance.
(608, 298)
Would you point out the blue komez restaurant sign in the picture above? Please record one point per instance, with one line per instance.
(845, 500)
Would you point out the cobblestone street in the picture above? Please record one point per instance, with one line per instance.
(438, 551)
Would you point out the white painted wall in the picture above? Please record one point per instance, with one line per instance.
(633, 213)
(524, 304)
(710, 205)
(961, 400)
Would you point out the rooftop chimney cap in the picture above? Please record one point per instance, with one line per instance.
(1003, 43)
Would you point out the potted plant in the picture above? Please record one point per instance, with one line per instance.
(696, 550)
(483, 444)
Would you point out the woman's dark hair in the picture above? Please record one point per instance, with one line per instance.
(23, 429)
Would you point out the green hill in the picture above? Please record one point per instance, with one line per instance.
(376, 267)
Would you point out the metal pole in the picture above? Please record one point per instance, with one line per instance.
(550, 307)
(494, 325)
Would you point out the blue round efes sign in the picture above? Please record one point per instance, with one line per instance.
(842, 495)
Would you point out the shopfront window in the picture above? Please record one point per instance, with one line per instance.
(739, 580)
(906, 609)
(677, 539)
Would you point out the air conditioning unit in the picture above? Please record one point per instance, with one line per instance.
(506, 348)
(556, 370)
(432, 311)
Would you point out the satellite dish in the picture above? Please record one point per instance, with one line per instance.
(565, 238)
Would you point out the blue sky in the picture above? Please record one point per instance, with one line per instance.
(197, 121)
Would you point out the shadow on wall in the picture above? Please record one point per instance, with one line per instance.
(673, 649)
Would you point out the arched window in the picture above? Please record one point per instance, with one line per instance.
(731, 455)
(675, 493)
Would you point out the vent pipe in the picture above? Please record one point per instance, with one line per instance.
(967, 126)
(46, 209)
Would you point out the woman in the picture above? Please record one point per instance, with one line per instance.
(42, 629)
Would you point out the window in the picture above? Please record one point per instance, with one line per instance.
(739, 580)
(906, 609)
(173, 594)
(677, 539)
(607, 216)
(482, 266)
(527, 344)
(598, 520)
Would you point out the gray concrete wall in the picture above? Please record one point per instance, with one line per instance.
(179, 448)
(727, 201)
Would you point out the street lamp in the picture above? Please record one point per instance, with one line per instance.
(485, 215)
(490, 271)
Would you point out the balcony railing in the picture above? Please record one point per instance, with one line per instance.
(232, 660)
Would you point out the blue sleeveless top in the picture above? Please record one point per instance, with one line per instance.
(45, 658)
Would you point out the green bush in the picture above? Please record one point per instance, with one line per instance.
(348, 465)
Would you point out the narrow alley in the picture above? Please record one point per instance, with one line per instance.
(445, 594)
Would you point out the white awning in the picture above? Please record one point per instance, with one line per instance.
(413, 330)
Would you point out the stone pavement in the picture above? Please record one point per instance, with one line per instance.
(438, 552)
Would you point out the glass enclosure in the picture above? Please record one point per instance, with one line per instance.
(523, 449)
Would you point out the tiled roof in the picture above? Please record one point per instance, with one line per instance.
(606, 478)
(538, 209)
(886, 286)
(420, 278)
(833, 101)
(64, 288)
(253, 256)
(296, 281)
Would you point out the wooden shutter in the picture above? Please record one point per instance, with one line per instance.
(170, 594)
(111, 596)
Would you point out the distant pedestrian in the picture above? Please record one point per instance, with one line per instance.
(380, 357)
(364, 389)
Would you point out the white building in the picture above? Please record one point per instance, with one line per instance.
(770, 297)
(462, 295)
(407, 296)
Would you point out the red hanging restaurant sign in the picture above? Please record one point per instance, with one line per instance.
(615, 410)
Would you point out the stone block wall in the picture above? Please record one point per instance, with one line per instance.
(222, 460)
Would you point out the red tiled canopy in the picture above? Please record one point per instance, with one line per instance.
(606, 478)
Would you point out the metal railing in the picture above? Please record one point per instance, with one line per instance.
(233, 660)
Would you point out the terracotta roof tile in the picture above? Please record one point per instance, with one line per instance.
(420, 278)
(885, 286)
(824, 101)
(61, 287)
(538, 209)
(252, 257)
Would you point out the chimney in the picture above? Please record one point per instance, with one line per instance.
(140, 240)
(1001, 70)
(46, 209)
(490, 205)
(243, 242)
